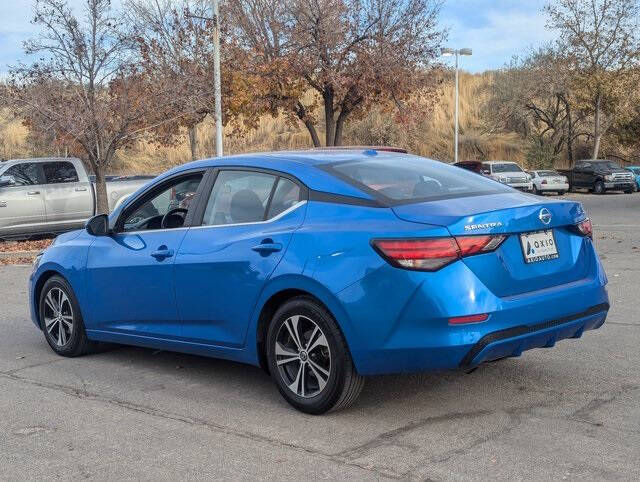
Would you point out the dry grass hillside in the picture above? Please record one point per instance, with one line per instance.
(431, 136)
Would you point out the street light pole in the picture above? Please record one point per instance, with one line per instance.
(216, 77)
(457, 52)
(455, 155)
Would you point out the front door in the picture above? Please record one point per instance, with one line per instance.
(22, 208)
(130, 273)
(222, 265)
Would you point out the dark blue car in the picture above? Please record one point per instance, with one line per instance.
(324, 267)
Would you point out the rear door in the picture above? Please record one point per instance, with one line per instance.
(22, 208)
(68, 200)
(223, 264)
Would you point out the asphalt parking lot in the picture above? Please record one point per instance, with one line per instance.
(572, 412)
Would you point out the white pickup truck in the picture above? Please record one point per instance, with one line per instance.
(53, 195)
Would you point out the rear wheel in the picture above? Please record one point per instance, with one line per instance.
(598, 187)
(536, 190)
(635, 187)
(61, 320)
(309, 358)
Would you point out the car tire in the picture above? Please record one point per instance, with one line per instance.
(536, 191)
(598, 187)
(635, 187)
(314, 372)
(61, 320)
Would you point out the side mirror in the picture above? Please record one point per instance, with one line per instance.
(98, 225)
(6, 181)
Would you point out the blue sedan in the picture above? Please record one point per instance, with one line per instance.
(323, 267)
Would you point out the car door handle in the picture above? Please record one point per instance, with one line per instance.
(267, 248)
(33, 193)
(81, 189)
(162, 253)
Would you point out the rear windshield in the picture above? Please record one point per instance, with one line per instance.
(547, 173)
(408, 179)
(506, 167)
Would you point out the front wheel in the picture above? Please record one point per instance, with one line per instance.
(598, 187)
(61, 320)
(309, 358)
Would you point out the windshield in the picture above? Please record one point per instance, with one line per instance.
(407, 179)
(547, 173)
(506, 167)
(607, 165)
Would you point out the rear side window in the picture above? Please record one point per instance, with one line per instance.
(25, 174)
(238, 197)
(407, 179)
(59, 172)
(286, 195)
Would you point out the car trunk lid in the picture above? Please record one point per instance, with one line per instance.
(505, 271)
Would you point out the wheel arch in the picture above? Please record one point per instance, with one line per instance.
(37, 289)
(281, 291)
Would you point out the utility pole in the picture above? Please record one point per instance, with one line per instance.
(216, 77)
(456, 52)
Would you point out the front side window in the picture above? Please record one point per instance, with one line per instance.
(26, 174)
(407, 179)
(239, 197)
(59, 172)
(166, 208)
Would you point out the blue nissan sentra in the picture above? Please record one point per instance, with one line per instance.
(323, 267)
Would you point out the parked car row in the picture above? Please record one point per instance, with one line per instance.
(596, 176)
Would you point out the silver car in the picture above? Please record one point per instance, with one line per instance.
(52, 195)
(549, 181)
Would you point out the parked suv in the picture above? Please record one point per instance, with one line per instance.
(599, 176)
(509, 173)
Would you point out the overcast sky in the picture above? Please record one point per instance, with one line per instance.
(495, 29)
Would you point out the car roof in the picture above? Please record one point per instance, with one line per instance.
(306, 165)
(500, 162)
(40, 159)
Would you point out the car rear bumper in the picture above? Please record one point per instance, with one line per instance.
(401, 324)
(513, 341)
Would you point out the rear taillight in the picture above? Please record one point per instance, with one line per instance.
(431, 254)
(585, 228)
(544, 181)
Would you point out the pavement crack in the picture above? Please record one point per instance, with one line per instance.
(388, 438)
(82, 393)
(584, 414)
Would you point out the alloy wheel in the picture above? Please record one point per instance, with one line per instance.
(58, 316)
(303, 356)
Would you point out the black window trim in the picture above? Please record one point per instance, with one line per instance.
(155, 189)
(198, 217)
